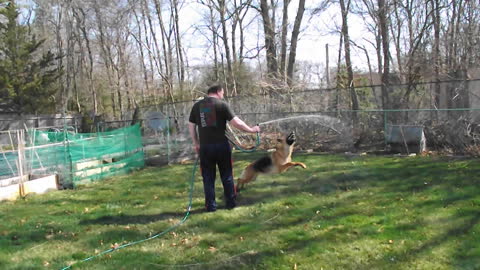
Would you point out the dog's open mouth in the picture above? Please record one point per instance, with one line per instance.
(291, 138)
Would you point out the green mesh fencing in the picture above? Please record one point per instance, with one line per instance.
(84, 157)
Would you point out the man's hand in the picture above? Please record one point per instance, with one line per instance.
(256, 129)
(196, 146)
(192, 128)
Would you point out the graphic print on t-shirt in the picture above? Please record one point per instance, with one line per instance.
(208, 116)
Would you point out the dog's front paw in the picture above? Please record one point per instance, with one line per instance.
(303, 165)
(291, 138)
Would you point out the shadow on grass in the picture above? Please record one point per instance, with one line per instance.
(123, 259)
(241, 260)
(453, 234)
(123, 219)
(377, 186)
(29, 237)
(426, 178)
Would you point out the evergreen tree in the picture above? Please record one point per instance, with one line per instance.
(27, 77)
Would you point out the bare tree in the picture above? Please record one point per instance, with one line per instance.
(106, 55)
(167, 52)
(353, 95)
(140, 47)
(240, 13)
(436, 50)
(419, 22)
(283, 68)
(213, 29)
(80, 16)
(269, 32)
(117, 52)
(283, 40)
(294, 40)
(178, 45)
(57, 22)
(153, 47)
(222, 9)
(383, 22)
(148, 45)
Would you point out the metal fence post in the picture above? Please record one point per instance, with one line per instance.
(385, 127)
(168, 139)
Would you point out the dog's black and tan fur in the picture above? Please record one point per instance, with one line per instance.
(279, 161)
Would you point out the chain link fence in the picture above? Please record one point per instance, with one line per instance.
(447, 113)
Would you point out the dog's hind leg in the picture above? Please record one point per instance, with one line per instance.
(248, 175)
(288, 165)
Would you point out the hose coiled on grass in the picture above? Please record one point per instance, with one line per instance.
(187, 213)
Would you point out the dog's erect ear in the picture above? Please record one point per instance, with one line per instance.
(291, 138)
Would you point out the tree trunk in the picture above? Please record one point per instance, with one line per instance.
(397, 38)
(348, 62)
(436, 51)
(222, 12)
(283, 41)
(271, 48)
(179, 48)
(123, 67)
(455, 41)
(235, 19)
(59, 43)
(151, 55)
(214, 41)
(70, 68)
(451, 33)
(294, 41)
(106, 56)
(241, 10)
(83, 30)
(142, 55)
(165, 44)
(118, 70)
(336, 104)
(383, 21)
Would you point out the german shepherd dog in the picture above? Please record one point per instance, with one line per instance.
(278, 161)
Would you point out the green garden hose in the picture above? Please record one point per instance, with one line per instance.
(187, 213)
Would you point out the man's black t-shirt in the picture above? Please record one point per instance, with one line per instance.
(211, 116)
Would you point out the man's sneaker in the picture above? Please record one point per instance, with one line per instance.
(231, 204)
(210, 209)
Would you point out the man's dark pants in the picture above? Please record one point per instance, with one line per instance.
(212, 155)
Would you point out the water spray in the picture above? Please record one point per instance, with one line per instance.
(325, 118)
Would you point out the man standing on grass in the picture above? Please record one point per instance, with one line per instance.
(211, 115)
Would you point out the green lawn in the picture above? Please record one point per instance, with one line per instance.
(343, 212)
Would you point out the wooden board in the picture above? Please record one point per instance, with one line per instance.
(40, 185)
(10, 193)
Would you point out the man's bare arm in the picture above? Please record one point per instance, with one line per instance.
(238, 123)
(192, 128)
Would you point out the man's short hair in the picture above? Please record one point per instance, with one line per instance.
(214, 89)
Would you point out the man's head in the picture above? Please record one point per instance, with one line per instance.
(216, 90)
